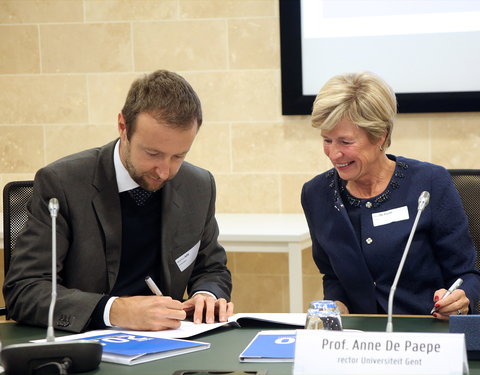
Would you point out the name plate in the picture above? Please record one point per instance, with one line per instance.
(371, 353)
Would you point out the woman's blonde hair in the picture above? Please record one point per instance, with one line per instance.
(363, 98)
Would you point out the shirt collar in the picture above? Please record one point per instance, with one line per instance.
(124, 181)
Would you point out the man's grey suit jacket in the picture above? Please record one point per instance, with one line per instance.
(89, 240)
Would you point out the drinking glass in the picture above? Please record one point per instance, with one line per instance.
(323, 314)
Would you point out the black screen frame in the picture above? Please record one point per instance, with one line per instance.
(295, 103)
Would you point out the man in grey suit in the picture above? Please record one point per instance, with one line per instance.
(130, 209)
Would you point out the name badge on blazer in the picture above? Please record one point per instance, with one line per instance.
(183, 261)
(390, 216)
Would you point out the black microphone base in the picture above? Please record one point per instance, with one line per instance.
(24, 359)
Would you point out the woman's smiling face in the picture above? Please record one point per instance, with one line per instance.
(351, 151)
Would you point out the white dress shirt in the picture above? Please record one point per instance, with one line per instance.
(125, 182)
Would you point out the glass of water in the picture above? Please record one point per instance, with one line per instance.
(323, 314)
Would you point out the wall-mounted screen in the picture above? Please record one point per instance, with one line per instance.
(427, 50)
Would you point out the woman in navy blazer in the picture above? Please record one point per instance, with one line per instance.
(360, 212)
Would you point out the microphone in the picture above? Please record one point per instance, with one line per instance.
(66, 357)
(423, 201)
(53, 207)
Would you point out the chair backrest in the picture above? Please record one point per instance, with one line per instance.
(16, 195)
(467, 182)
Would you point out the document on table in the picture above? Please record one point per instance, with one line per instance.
(130, 349)
(189, 329)
(291, 319)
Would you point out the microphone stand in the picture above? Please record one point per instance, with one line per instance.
(53, 207)
(66, 356)
(422, 203)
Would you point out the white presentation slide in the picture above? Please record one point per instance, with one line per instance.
(417, 46)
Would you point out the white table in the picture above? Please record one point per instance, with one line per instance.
(270, 233)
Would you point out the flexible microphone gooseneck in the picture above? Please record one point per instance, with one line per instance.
(423, 200)
(67, 357)
(53, 207)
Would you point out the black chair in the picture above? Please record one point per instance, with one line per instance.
(467, 182)
(16, 194)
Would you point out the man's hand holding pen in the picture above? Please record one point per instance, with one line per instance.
(147, 313)
(203, 307)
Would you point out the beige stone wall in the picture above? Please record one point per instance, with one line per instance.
(65, 67)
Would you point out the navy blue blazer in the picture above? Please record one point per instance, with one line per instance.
(359, 260)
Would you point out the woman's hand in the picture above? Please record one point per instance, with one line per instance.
(456, 303)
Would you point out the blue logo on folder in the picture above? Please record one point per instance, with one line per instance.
(130, 344)
(130, 349)
(270, 346)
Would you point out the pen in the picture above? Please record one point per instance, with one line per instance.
(153, 287)
(450, 290)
